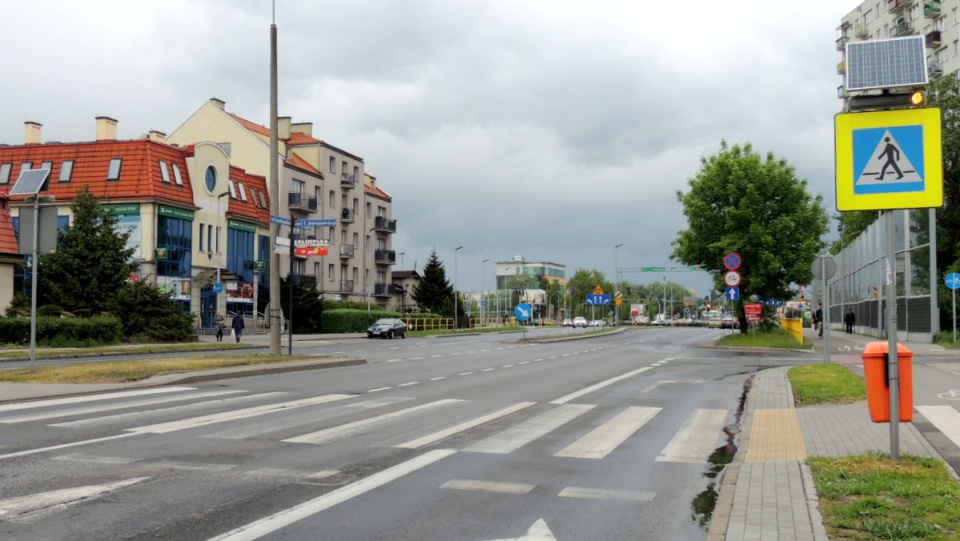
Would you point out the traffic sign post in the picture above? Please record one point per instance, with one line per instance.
(953, 282)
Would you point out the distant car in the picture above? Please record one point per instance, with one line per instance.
(579, 321)
(598, 323)
(729, 322)
(567, 322)
(388, 328)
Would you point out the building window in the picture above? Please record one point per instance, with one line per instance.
(26, 166)
(5, 169)
(164, 173)
(243, 191)
(47, 165)
(66, 170)
(333, 200)
(333, 162)
(114, 172)
(201, 237)
(211, 179)
(263, 200)
(330, 272)
(343, 167)
(176, 175)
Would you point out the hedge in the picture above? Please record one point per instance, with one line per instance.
(348, 320)
(56, 331)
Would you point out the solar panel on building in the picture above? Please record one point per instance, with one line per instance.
(886, 63)
(30, 182)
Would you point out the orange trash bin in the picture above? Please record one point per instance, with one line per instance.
(876, 367)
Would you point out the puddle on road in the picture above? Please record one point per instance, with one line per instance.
(704, 503)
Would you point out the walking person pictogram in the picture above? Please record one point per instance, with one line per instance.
(892, 154)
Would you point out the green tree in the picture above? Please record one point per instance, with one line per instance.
(434, 293)
(757, 207)
(307, 305)
(92, 261)
(147, 312)
(584, 282)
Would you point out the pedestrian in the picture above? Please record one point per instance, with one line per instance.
(849, 319)
(818, 317)
(218, 324)
(237, 325)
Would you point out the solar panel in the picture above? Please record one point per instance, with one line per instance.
(886, 63)
(30, 182)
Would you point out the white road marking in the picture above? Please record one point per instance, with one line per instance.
(507, 366)
(65, 446)
(91, 398)
(464, 373)
(523, 363)
(327, 435)
(245, 413)
(606, 437)
(409, 383)
(522, 434)
(601, 385)
(696, 439)
(945, 418)
(272, 523)
(437, 436)
(438, 378)
(488, 369)
(600, 494)
(488, 486)
(93, 459)
(378, 389)
(28, 508)
(538, 532)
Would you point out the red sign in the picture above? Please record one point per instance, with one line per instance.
(311, 250)
(134, 277)
(753, 311)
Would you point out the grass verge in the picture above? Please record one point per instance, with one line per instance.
(825, 384)
(127, 371)
(872, 497)
(775, 338)
(135, 349)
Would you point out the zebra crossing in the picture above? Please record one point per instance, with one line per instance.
(239, 415)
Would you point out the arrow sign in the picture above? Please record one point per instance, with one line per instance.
(598, 300)
(538, 532)
(732, 294)
(952, 280)
(523, 312)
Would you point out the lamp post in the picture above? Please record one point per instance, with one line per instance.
(616, 281)
(664, 297)
(456, 300)
(483, 280)
(219, 261)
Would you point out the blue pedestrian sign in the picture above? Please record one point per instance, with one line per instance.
(888, 160)
(952, 280)
(523, 312)
(598, 300)
(732, 294)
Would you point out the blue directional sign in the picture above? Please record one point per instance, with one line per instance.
(732, 294)
(952, 280)
(281, 220)
(317, 223)
(218, 288)
(598, 300)
(523, 312)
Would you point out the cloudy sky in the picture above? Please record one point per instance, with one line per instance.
(551, 129)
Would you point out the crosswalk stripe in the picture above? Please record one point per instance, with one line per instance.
(488, 486)
(90, 398)
(328, 435)
(522, 434)
(204, 420)
(602, 384)
(437, 436)
(28, 508)
(696, 439)
(606, 437)
(601, 494)
(945, 418)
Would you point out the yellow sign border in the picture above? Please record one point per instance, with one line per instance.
(846, 123)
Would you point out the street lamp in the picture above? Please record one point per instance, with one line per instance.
(616, 280)
(219, 261)
(483, 280)
(456, 301)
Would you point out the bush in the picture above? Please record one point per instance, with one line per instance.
(148, 314)
(62, 332)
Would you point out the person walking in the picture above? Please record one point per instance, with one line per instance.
(218, 324)
(818, 317)
(237, 325)
(849, 319)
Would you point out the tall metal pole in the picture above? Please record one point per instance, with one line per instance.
(276, 316)
(34, 263)
(894, 371)
(616, 282)
(483, 281)
(456, 295)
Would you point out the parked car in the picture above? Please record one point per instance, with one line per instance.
(567, 322)
(388, 328)
(729, 322)
(598, 323)
(579, 321)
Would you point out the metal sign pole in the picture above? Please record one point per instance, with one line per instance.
(826, 312)
(893, 372)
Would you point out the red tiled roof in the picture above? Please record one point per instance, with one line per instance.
(8, 238)
(140, 172)
(299, 138)
(250, 210)
(300, 163)
(378, 192)
(255, 128)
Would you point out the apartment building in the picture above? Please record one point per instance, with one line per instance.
(937, 21)
(195, 219)
(318, 181)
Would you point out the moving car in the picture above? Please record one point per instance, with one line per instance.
(567, 322)
(729, 322)
(388, 327)
(579, 321)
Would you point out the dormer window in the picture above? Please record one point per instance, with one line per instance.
(114, 172)
(164, 173)
(66, 170)
(176, 175)
(5, 172)
(243, 191)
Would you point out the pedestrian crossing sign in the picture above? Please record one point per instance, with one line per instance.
(889, 160)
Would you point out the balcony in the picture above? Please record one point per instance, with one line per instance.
(932, 39)
(385, 257)
(300, 201)
(842, 42)
(841, 68)
(935, 70)
(382, 225)
(896, 6)
(903, 28)
(861, 31)
(346, 286)
(346, 251)
(347, 181)
(931, 10)
(347, 215)
(386, 290)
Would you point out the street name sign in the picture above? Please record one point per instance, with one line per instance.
(329, 222)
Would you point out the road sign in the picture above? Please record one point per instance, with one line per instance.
(732, 278)
(653, 269)
(311, 250)
(823, 268)
(218, 288)
(753, 311)
(619, 301)
(317, 223)
(889, 159)
(281, 220)
(732, 294)
(952, 280)
(523, 312)
(598, 300)
(598, 290)
(732, 261)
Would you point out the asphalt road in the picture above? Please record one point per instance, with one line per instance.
(476, 438)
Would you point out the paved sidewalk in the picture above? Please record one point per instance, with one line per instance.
(768, 492)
